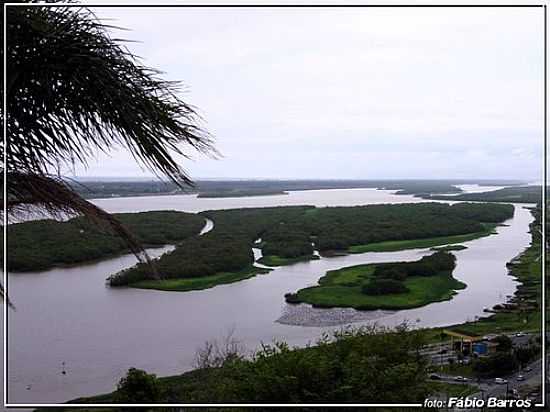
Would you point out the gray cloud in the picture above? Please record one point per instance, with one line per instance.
(351, 93)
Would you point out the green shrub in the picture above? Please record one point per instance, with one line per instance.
(383, 287)
(137, 387)
(391, 271)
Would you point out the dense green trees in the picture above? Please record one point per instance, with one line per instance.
(289, 232)
(286, 232)
(137, 387)
(506, 359)
(42, 244)
(195, 257)
(389, 277)
(495, 365)
(438, 262)
(383, 286)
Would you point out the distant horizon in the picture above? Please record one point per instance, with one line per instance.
(155, 178)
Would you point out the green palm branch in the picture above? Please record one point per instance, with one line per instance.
(73, 91)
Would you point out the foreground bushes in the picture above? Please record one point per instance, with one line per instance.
(363, 365)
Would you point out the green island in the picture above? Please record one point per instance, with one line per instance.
(514, 194)
(290, 234)
(401, 285)
(44, 244)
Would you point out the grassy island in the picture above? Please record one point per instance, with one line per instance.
(402, 285)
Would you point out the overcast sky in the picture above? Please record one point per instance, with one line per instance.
(351, 93)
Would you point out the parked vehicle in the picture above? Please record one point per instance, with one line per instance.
(500, 381)
(520, 378)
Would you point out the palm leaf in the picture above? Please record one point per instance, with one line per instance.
(73, 91)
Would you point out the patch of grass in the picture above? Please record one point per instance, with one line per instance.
(342, 288)
(199, 283)
(449, 248)
(395, 245)
(273, 260)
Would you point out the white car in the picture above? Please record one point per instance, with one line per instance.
(520, 378)
(500, 381)
(460, 379)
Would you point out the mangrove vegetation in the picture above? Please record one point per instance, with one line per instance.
(400, 285)
(290, 234)
(43, 244)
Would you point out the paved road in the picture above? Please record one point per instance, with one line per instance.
(533, 377)
(488, 387)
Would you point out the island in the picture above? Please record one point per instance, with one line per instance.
(294, 233)
(43, 244)
(289, 234)
(515, 194)
(394, 286)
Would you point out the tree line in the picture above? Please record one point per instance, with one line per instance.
(389, 277)
(294, 231)
(43, 244)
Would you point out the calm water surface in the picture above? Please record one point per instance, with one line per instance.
(69, 315)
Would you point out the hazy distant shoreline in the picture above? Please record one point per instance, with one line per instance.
(100, 189)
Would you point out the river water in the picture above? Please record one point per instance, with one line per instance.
(68, 319)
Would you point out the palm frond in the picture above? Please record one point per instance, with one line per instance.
(73, 91)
